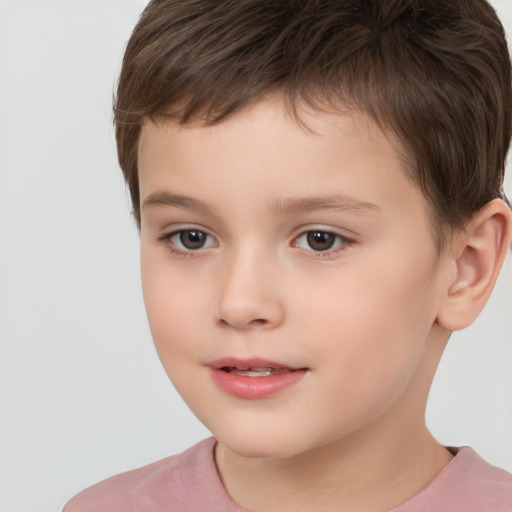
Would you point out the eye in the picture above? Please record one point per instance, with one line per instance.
(191, 240)
(320, 241)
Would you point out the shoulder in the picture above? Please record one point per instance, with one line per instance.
(468, 483)
(483, 483)
(184, 482)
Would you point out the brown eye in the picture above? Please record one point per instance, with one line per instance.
(186, 240)
(192, 239)
(317, 240)
(320, 240)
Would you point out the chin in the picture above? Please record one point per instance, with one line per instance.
(263, 443)
(259, 450)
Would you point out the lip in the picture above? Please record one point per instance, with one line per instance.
(253, 388)
(246, 363)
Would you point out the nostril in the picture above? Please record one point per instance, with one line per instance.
(258, 321)
(244, 311)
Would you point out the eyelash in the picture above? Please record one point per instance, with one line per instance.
(343, 243)
(176, 251)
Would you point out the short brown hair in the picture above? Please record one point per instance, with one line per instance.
(436, 73)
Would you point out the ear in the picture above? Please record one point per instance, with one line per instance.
(477, 256)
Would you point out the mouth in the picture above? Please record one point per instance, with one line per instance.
(256, 371)
(254, 367)
(255, 378)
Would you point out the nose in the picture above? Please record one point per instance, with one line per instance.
(250, 296)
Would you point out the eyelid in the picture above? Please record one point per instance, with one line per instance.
(175, 249)
(343, 242)
(188, 249)
(173, 229)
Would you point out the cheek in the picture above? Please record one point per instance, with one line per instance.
(172, 306)
(372, 323)
(173, 312)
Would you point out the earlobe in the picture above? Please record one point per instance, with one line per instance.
(478, 255)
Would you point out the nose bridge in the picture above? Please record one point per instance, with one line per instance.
(248, 296)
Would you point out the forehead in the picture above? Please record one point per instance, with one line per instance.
(264, 148)
(272, 126)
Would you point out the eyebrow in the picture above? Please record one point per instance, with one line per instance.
(284, 206)
(159, 199)
(337, 202)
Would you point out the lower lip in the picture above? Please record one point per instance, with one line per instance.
(254, 388)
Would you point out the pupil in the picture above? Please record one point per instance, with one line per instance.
(192, 239)
(320, 240)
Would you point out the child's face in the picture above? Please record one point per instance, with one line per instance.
(266, 245)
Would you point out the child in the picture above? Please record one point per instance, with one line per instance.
(318, 186)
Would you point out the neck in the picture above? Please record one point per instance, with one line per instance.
(355, 475)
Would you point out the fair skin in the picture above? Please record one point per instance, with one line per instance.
(260, 239)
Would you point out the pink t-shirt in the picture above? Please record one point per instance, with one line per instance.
(189, 482)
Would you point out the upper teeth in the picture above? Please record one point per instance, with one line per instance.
(257, 371)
